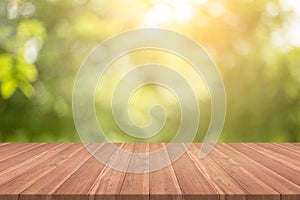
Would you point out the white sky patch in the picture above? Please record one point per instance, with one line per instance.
(184, 14)
(216, 9)
(12, 11)
(32, 48)
(158, 15)
(289, 35)
(168, 11)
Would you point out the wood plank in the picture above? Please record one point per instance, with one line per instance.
(254, 186)
(18, 150)
(288, 146)
(273, 165)
(13, 160)
(233, 171)
(163, 183)
(224, 184)
(136, 186)
(87, 174)
(22, 167)
(287, 189)
(281, 156)
(48, 184)
(4, 144)
(8, 150)
(193, 184)
(24, 180)
(109, 182)
(297, 144)
(283, 151)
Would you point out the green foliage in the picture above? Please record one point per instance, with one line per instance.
(42, 44)
(17, 68)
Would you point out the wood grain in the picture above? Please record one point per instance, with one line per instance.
(285, 187)
(281, 156)
(136, 186)
(48, 184)
(167, 187)
(191, 181)
(67, 171)
(15, 150)
(109, 182)
(274, 165)
(255, 187)
(224, 184)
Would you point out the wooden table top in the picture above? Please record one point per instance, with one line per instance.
(66, 171)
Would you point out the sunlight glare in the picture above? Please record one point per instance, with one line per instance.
(167, 11)
(289, 35)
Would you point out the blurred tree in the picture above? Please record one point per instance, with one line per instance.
(20, 42)
(42, 44)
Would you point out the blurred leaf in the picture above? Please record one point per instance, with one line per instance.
(30, 29)
(8, 88)
(6, 31)
(5, 66)
(17, 68)
(262, 79)
(26, 71)
(27, 89)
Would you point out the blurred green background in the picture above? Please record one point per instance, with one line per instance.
(255, 44)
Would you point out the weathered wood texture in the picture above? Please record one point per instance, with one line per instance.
(233, 171)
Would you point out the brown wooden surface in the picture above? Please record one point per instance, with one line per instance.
(232, 171)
